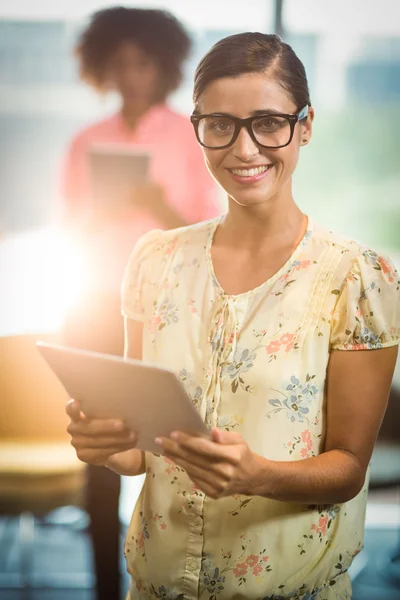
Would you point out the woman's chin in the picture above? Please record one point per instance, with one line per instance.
(252, 198)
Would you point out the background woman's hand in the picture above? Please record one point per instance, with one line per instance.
(152, 197)
(220, 466)
(96, 440)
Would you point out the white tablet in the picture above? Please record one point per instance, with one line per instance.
(115, 170)
(150, 400)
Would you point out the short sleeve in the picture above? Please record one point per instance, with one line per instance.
(139, 277)
(367, 312)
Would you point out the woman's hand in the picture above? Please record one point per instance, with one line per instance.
(221, 466)
(96, 440)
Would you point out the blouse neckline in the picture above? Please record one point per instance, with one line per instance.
(268, 282)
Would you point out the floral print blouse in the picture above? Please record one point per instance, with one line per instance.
(253, 363)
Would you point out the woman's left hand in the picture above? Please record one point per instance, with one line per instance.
(221, 465)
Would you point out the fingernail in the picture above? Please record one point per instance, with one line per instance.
(174, 435)
(118, 425)
(158, 441)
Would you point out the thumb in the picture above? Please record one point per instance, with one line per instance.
(73, 410)
(221, 436)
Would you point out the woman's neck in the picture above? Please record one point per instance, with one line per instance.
(132, 113)
(258, 227)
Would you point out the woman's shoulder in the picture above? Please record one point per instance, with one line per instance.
(358, 264)
(95, 131)
(178, 123)
(337, 240)
(160, 243)
(351, 249)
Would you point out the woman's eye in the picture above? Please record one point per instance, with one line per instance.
(268, 123)
(220, 126)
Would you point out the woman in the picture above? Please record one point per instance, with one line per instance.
(138, 54)
(288, 338)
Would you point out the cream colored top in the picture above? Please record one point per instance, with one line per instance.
(254, 363)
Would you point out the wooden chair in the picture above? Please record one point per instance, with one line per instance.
(39, 470)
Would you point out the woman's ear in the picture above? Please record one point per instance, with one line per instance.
(306, 131)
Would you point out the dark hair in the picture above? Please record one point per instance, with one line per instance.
(157, 32)
(253, 53)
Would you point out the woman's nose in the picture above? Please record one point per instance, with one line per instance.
(244, 147)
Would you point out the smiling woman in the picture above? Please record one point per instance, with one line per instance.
(285, 337)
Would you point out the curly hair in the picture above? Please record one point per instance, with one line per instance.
(157, 32)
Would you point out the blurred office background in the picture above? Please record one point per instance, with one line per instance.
(348, 179)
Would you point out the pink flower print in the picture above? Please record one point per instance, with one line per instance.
(306, 436)
(229, 338)
(171, 247)
(192, 306)
(286, 338)
(171, 466)
(385, 266)
(289, 346)
(322, 525)
(265, 558)
(240, 570)
(252, 560)
(257, 570)
(163, 526)
(154, 323)
(304, 453)
(289, 444)
(301, 264)
(273, 347)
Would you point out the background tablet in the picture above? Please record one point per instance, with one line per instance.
(151, 401)
(114, 172)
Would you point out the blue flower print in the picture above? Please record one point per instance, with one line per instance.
(213, 582)
(295, 399)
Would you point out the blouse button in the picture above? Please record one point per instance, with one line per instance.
(191, 564)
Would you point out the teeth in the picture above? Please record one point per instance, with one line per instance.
(249, 172)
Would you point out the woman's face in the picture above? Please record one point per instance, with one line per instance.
(135, 75)
(242, 97)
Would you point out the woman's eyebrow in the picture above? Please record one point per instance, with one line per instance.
(269, 111)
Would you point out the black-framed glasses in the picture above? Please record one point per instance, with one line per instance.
(269, 129)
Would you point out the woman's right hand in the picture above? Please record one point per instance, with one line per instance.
(96, 440)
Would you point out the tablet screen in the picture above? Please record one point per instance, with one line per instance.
(114, 172)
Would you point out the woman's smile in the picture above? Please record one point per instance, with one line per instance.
(249, 174)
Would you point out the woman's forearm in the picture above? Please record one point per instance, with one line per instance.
(130, 462)
(333, 477)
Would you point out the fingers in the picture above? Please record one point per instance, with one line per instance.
(97, 427)
(221, 436)
(73, 410)
(95, 440)
(123, 443)
(184, 445)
